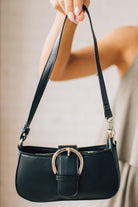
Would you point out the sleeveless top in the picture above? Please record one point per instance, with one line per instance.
(125, 112)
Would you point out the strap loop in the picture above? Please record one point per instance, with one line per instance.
(46, 74)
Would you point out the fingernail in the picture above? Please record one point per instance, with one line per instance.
(77, 10)
(71, 16)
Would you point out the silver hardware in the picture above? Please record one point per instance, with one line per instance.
(21, 142)
(68, 149)
(110, 128)
(110, 133)
(24, 133)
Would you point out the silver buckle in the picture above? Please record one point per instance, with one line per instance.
(68, 149)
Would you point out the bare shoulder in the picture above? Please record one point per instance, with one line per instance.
(127, 41)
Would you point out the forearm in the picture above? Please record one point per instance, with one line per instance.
(64, 49)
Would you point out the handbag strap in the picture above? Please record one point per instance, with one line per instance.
(46, 74)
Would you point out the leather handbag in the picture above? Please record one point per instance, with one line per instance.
(69, 172)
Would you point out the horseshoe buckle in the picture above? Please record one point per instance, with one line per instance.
(68, 149)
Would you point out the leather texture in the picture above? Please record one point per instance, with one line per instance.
(100, 177)
(67, 177)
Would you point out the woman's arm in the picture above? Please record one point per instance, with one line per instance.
(118, 48)
(78, 63)
(64, 49)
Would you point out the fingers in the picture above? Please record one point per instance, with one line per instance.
(86, 3)
(78, 11)
(69, 10)
(58, 6)
(73, 8)
(62, 5)
(68, 6)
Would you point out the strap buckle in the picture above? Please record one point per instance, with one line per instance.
(24, 133)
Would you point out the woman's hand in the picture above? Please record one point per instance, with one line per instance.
(73, 8)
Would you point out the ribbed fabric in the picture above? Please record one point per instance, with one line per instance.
(125, 110)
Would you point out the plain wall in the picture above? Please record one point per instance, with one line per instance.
(70, 111)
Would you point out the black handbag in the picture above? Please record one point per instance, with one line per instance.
(47, 174)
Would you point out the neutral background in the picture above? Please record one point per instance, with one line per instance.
(71, 111)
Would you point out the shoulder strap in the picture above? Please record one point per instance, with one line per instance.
(46, 74)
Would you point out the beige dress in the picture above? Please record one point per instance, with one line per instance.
(125, 111)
